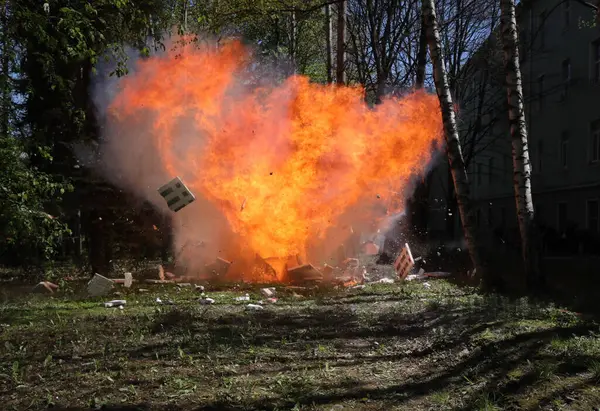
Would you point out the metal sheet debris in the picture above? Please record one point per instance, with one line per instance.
(176, 194)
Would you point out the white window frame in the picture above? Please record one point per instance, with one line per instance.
(587, 214)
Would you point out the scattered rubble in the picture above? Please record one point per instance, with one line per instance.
(437, 274)
(127, 280)
(245, 297)
(254, 307)
(305, 273)
(219, 267)
(206, 300)
(115, 303)
(168, 302)
(46, 287)
(199, 288)
(99, 285)
(268, 292)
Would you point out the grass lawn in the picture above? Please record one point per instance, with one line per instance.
(385, 347)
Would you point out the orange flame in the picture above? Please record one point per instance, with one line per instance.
(282, 163)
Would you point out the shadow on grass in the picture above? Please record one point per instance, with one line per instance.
(490, 369)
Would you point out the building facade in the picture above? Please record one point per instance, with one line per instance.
(560, 66)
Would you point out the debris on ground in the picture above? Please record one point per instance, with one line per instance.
(115, 303)
(426, 285)
(184, 285)
(206, 300)
(254, 307)
(384, 280)
(268, 300)
(168, 302)
(127, 280)
(218, 268)
(99, 285)
(176, 194)
(358, 287)
(45, 286)
(438, 274)
(305, 273)
(419, 276)
(268, 292)
(243, 298)
(199, 288)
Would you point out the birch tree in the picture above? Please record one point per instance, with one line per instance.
(520, 148)
(454, 152)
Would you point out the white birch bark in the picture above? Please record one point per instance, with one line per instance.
(518, 133)
(455, 157)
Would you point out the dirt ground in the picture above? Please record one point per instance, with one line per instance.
(405, 346)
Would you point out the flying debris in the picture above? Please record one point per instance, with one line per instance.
(176, 194)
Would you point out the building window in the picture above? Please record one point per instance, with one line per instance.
(596, 61)
(539, 214)
(564, 149)
(541, 31)
(562, 217)
(566, 72)
(491, 170)
(595, 142)
(567, 14)
(540, 155)
(523, 45)
(593, 213)
(540, 91)
(478, 174)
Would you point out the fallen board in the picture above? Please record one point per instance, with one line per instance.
(176, 194)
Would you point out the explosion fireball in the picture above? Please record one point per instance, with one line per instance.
(283, 163)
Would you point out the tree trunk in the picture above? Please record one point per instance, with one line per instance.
(328, 37)
(341, 43)
(520, 148)
(421, 56)
(455, 158)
